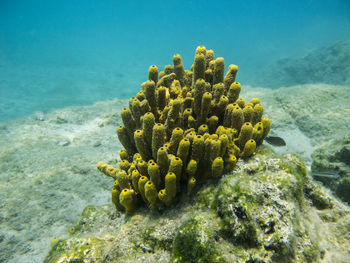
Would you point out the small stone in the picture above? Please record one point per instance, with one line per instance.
(39, 116)
(60, 120)
(97, 144)
(3, 127)
(63, 143)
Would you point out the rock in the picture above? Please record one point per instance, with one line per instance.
(344, 154)
(60, 120)
(342, 188)
(333, 158)
(96, 144)
(267, 210)
(64, 142)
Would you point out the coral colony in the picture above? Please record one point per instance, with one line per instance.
(183, 127)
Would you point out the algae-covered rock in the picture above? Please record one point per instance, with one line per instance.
(263, 211)
(267, 210)
(331, 166)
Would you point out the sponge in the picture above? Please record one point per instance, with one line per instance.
(249, 148)
(127, 200)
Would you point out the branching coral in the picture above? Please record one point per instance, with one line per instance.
(182, 128)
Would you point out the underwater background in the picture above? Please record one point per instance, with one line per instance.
(67, 68)
(60, 53)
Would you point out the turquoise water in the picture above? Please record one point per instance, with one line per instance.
(55, 54)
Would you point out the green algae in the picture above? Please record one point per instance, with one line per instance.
(204, 197)
(154, 239)
(318, 198)
(76, 250)
(195, 240)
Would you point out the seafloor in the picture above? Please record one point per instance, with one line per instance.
(48, 162)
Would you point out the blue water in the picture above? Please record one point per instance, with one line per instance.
(55, 54)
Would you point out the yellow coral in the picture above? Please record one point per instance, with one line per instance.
(182, 128)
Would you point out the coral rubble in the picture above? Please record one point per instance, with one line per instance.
(183, 127)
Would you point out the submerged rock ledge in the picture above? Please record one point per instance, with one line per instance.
(267, 210)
